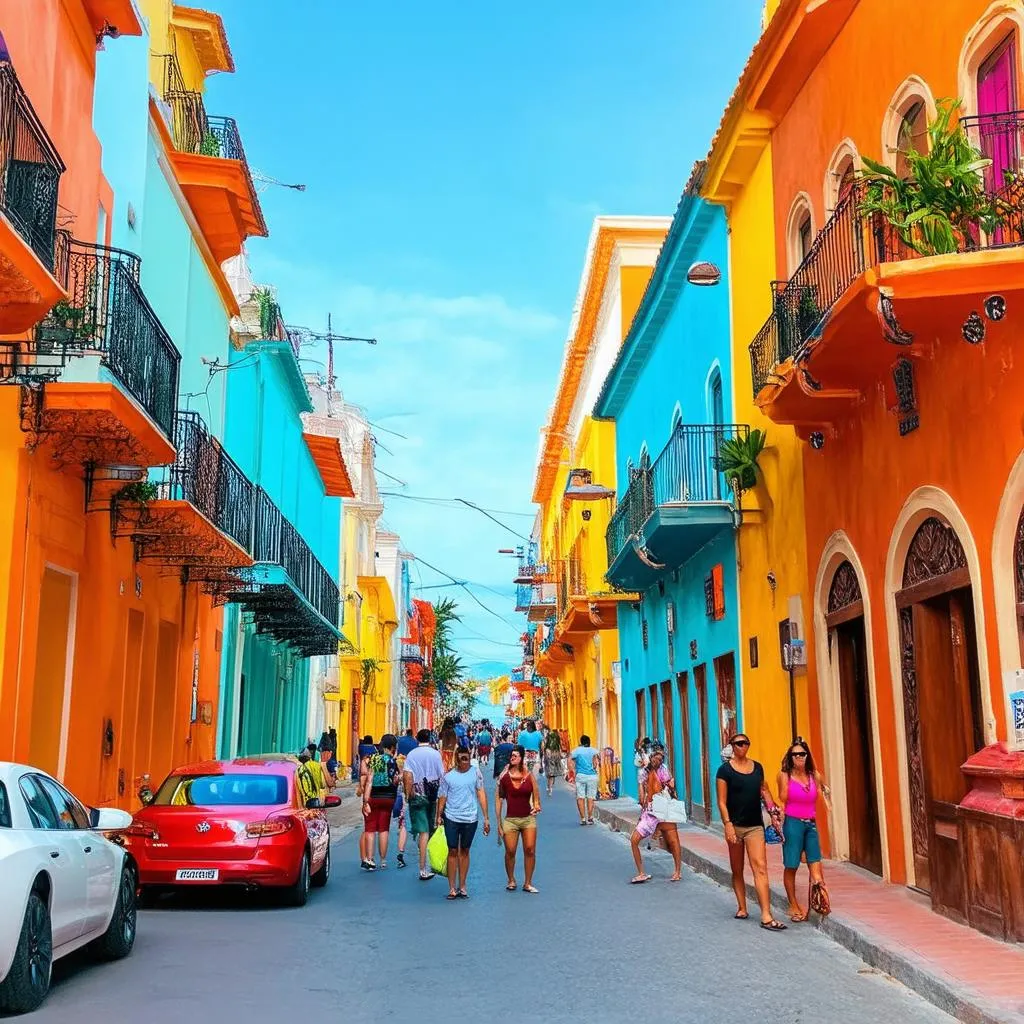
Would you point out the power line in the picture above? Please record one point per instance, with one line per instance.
(461, 583)
(515, 533)
(455, 501)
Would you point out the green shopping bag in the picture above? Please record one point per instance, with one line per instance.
(437, 851)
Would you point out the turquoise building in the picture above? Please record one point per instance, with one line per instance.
(671, 539)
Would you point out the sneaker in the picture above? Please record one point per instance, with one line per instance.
(383, 864)
(426, 876)
(401, 860)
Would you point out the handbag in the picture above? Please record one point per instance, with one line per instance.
(772, 821)
(664, 808)
(819, 900)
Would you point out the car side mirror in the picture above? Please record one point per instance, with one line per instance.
(110, 819)
(312, 804)
(332, 801)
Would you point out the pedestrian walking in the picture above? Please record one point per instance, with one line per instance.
(421, 776)
(799, 785)
(483, 745)
(407, 743)
(554, 763)
(654, 778)
(585, 760)
(316, 769)
(741, 788)
(307, 781)
(530, 740)
(380, 788)
(520, 793)
(448, 742)
(460, 798)
(502, 755)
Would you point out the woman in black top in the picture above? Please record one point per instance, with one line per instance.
(741, 787)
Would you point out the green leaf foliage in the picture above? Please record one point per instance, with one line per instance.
(737, 459)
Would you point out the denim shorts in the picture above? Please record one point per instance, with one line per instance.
(459, 834)
(800, 835)
(586, 787)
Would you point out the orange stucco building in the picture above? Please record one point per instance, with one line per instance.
(899, 369)
(109, 662)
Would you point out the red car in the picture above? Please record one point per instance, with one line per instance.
(240, 822)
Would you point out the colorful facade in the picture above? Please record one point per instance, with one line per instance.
(576, 646)
(888, 354)
(671, 540)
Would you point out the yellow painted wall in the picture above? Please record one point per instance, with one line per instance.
(772, 540)
(165, 38)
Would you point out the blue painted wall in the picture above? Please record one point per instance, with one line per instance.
(685, 339)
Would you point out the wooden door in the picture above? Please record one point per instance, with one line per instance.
(949, 728)
(858, 747)
(683, 692)
(725, 676)
(655, 721)
(700, 682)
(641, 714)
(667, 717)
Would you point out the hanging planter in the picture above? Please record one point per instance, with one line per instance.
(737, 460)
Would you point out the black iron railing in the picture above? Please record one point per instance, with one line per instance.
(30, 168)
(106, 313)
(412, 653)
(277, 542)
(686, 471)
(632, 512)
(207, 477)
(572, 582)
(850, 242)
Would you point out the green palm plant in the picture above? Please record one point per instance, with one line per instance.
(942, 203)
(737, 459)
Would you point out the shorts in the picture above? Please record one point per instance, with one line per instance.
(533, 761)
(379, 818)
(800, 835)
(647, 825)
(484, 751)
(586, 787)
(421, 815)
(742, 831)
(459, 834)
(518, 824)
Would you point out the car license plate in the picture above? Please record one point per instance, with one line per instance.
(196, 875)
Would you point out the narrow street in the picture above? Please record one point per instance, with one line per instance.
(387, 947)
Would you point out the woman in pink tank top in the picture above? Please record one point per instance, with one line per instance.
(799, 785)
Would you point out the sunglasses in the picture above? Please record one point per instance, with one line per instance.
(798, 753)
(741, 743)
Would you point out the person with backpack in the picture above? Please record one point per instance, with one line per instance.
(421, 777)
(380, 789)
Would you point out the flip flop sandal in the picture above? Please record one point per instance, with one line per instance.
(452, 896)
(773, 926)
(530, 889)
(463, 895)
(798, 918)
(639, 879)
(511, 887)
(740, 915)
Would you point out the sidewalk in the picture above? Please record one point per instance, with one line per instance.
(972, 977)
(347, 817)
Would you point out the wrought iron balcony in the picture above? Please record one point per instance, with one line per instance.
(208, 478)
(412, 653)
(672, 508)
(106, 315)
(850, 243)
(30, 168)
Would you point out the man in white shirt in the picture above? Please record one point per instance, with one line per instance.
(461, 793)
(421, 777)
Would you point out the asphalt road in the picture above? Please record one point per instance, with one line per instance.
(389, 947)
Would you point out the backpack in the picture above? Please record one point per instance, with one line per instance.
(382, 769)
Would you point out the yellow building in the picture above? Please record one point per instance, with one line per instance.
(771, 547)
(576, 648)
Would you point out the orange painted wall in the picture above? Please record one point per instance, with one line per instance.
(53, 50)
(969, 397)
(42, 522)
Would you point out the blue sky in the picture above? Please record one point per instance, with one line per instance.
(454, 157)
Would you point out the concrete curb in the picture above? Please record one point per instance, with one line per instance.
(916, 974)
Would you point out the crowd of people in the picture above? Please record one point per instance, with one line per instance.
(433, 781)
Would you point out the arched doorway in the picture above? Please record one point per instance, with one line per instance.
(848, 642)
(941, 701)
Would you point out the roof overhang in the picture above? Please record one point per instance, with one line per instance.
(330, 463)
(208, 37)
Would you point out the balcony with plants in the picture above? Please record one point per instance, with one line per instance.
(903, 259)
(107, 366)
(584, 605)
(688, 496)
(211, 168)
(30, 172)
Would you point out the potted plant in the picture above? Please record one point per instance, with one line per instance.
(269, 310)
(942, 205)
(370, 667)
(209, 145)
(63, 324)
(737, 460)
(139, 493)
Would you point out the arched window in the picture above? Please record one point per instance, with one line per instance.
(800, 231)
(905, 125)
(677, 417)
(842, 174)
(716, 398)
(989, 75)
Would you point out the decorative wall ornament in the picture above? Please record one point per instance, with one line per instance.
(906, 396)
(817, 440)
(693, 649)
(973, 330)
(845, 589)
(892, 330)
(995, 308)
(934, 551)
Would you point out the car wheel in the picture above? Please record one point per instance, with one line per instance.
(28, 980)
(297, 894)
(319, 879)
(117, 941)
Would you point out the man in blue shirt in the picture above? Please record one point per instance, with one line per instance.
(584, 760)
(407, 744)
(530, 740)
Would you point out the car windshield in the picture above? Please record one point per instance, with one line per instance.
(222, 790)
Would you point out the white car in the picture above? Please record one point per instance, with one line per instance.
(63, 885)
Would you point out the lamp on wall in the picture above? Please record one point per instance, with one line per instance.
(581, 487)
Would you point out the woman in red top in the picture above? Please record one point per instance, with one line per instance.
(518, 789)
